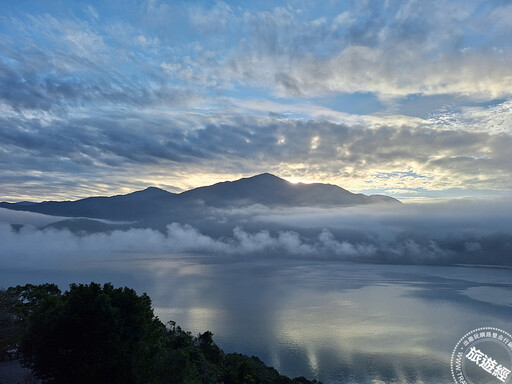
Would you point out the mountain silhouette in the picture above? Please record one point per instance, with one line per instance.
(265, 189)
(132, 206)
(270, 190)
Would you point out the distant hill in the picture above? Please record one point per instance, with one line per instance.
(87, 226)
(130, 207)
(265, 189)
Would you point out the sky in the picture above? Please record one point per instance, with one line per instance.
(407, 98)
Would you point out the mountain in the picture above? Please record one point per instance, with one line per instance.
(128, 207)
(271, 190)
(150, 203)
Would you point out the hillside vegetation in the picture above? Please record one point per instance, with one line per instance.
(96, 333)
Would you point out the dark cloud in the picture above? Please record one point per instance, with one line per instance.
(141, 140)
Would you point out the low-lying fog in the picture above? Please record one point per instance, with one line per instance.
(473, 232)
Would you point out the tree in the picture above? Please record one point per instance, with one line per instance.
(10, 330)
(92, 334)
(16, 305)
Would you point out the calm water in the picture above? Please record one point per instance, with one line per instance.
(338, 322)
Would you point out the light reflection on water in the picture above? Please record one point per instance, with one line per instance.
(338, 322)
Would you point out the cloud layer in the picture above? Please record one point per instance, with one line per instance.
(388, 159)
(477, 232)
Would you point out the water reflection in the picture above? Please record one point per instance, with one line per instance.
(339, 322)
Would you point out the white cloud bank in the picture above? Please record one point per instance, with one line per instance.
(34, 245)
(475, 232)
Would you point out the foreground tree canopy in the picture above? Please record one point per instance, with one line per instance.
(96, 333)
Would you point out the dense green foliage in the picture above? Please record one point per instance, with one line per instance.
(16, 306)
(101, 334)
(9, 324)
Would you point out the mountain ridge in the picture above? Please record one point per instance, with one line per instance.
(265, 189)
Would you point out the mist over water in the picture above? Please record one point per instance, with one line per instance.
(456, 232)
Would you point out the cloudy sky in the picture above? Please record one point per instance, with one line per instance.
(408, 98)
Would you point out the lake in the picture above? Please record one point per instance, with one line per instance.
(338, 322)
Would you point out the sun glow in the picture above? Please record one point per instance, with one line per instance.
(298, 181)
